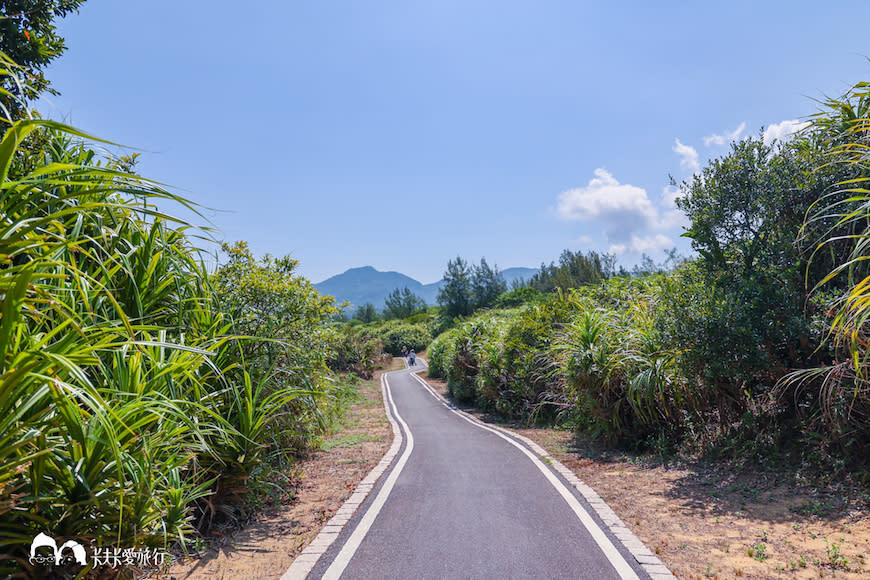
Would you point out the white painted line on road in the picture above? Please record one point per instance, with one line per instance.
(617, 561)
(350, 546)
(305, 562)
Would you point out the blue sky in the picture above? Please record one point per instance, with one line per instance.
(399, 134)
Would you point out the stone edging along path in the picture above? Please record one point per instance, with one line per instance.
(305, 562)
(309, 557)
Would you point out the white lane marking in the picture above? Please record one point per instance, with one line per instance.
(616, 560)
(307, 560)
(341, 561)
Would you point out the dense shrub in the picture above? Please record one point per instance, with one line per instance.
(356, 351)
(441, 353)
(701, 351)
(519, 296)
(622, 383)
(395, 335)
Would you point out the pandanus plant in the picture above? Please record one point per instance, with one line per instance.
(125, 403)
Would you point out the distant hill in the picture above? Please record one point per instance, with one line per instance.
(361, 285)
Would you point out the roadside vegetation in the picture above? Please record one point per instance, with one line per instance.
(758, 345)
(145, 399)
(149, 400)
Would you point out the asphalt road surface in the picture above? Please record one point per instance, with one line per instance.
(461, 501)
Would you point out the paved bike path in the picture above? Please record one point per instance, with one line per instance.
(467, 504)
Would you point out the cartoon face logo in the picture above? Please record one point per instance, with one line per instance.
(57, 554)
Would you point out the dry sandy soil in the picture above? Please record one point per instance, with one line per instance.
(704, 520)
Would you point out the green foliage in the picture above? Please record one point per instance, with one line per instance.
(623, 386)
(366, 313)
(518, 297)
(487, 284)
(592, 358)
(455, 295)
(574, 270)
(356, 351)
(659, 355)
(469, 288)
(29, 37)
(738, 316)
(837, 394)
(264, 298)
(402, 304)
(441, 353)
(395, 335)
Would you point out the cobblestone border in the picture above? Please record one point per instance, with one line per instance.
(305, 562)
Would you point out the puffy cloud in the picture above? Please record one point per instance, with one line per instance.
(621, 208)
(631, 222)
(670, 193)
(782, 131)
(640, 245)
(724, 138)
(688, 156)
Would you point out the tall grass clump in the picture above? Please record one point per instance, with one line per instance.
(835, 395)
(622, 384)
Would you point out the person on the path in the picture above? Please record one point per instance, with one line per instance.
(412, 358)
(404, 351)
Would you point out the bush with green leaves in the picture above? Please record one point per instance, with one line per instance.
(500, 360)
(592, 358)
(397, 334)
(622, 385)
(738, 316)
(441, 354)
(355, 350)
(518, 297)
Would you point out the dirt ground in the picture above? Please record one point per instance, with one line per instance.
(703, 520)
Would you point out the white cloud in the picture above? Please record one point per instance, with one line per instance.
(672, 217)
(620, 208)
(688, 156)
(782, 131)
(639, 245)
(724, 138)
(670, 193)
(631, 223)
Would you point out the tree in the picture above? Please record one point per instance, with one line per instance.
(487, 284)
(747, 208)
(574, 270)
(739, 315)
(29, 38)
(266, 297)
(366, 313)
(402, 303)
(455, 296)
